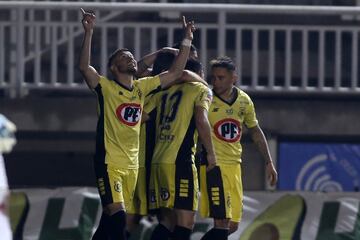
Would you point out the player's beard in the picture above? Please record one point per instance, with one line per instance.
(129, 70)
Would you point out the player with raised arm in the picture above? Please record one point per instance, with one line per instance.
(181, 116)
(120, 104)
(139, 208)
(163, 62)
(221, 188)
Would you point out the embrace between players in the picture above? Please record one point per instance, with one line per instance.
(148, 126)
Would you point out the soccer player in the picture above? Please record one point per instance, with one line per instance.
(221, 188)
(7, 141)
(181, 116)
(120, 103)
(139, 207)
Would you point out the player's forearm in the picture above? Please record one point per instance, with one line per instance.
(204, 131)
(178, 66)
(84, 63)
(260, 141)
(146, 62)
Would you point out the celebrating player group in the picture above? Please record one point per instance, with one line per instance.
(151, 114)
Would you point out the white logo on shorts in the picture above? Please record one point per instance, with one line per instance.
(165, 195)
(117, 186)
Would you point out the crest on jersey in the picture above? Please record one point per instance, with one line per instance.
(129, 113)
(139, 93)
(228, 130)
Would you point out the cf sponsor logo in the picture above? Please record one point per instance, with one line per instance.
(228, 130)
(129, 113)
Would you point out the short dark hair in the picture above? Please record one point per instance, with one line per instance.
(163, 62)
(114, 54)
(194, 66)
(178, 44)
(223, 62)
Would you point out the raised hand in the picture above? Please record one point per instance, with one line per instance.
(189, 28)
(88, 20)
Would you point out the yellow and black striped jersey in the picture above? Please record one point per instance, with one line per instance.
(118, 128)
(226, 120)
(176, 133)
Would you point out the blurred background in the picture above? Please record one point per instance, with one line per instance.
(300, 66)
(297, 59)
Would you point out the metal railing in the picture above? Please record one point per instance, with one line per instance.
(40, 43)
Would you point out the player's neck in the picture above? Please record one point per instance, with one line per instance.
(125, 79)
(228, 95)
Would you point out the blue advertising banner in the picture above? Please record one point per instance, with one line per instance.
(319, 166)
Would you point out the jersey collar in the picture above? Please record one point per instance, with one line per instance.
(123, 86)
(232, 100)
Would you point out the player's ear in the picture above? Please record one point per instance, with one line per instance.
(112, 68)
(234, 77)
